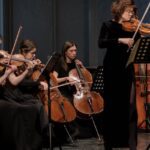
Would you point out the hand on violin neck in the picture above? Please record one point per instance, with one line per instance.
(126, 41)
(30, 66)
(37, 61)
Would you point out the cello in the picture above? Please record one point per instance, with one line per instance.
(86, 101)
(142, 72)
(62, 110)
(37, 76)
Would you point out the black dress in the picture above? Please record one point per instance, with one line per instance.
(120, 116)
(78, 128)
(68, 90)
(23, 119)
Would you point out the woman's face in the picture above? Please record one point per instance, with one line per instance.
(71, 53)
(31, 54)
(127, 14)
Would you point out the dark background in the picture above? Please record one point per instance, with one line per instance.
(51, 22)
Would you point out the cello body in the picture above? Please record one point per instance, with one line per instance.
(86, 101)
(62, 110)
(142, 72)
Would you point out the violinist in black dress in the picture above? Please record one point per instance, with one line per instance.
(120, 116)
(24, 120)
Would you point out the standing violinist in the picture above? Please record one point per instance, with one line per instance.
(120, 115)
(27, 119)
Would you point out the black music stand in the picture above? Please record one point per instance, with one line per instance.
(49, 67)
(143, 51)
(98, 82)
(98, 86)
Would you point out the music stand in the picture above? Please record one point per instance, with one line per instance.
(98, 86)
(98, 82)
(49, 67)
(143, 51)
(140, 52)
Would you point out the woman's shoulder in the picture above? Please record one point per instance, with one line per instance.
(109, 23)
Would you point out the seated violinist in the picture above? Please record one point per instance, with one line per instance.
(28, 51)
(27, 121)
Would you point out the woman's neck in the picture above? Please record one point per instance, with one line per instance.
(68, 60)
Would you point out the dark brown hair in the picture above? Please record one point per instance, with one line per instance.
(118, 7)
(26, 46)
(65, 47)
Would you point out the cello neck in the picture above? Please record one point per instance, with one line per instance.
(81, 77)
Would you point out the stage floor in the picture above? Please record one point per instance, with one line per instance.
(94, 144)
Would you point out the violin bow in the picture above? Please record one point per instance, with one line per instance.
(133, 52)
(16, 39)
(64, 84)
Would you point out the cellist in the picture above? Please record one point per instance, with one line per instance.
(61, 72)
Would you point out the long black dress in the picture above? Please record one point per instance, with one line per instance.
(67, 92)
(120, 116)
(78, 128)
(23, 120)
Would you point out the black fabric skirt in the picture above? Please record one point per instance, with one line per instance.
(21, 125)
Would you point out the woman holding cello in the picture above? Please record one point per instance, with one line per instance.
(61, 73)
(27, 120)
(120, 114)
(75, 88)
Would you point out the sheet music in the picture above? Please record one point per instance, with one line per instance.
(140, 53)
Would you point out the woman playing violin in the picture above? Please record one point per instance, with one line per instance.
(28, 119)
(120, 116)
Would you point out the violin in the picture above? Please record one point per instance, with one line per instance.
(132, 25)
(20, 62)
